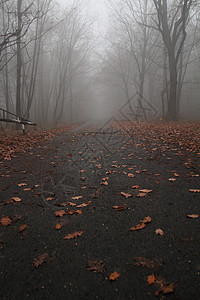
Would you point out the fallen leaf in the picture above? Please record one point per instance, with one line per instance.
(126, 195)
(114, 276)
(159, 232)
(140, 195)
(176, 175)
(194, 191)
(131, 175)
(104, 183)
(79, 212)
(84, 204)
(22, 184)
(5, 221)
(70, 212)
(58, 226)
(49, 198)
(27, 189)
(121, 207)
(40, 260)
(73, 235)
(83, 178)
(71, 203)
(148, 263)
(138, 227)
(193, 216)
(77, 197)
(96, 266)
(145, 191)
(151, 279)
(60, 213)
(22, 227)
(135, 187)
(166, 289)
(172, 179)
(16, 199)
(146, 220)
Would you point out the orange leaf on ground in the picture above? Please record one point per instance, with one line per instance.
(126, 195)
(151, 279)
(172, 179)
(121, 207)
(146, 220)
(5, 221)
(159, 232)
(194, 190)
(16, 199)
(22, 227)
(84, 204)
(138, 227)
(135, 187)
(22, 184)
(83, 178)
(71, 203)
(58, 226)
(60, 213)
(40, 260)
(49, 198)
(73, 235)
(104, 183)
(140, 195)
(79, 212)
(131, 175)
(146, 191)
(114, 276)
(166, 289)
(193, 216)
(77, 197)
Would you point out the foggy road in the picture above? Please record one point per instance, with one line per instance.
(102, 182)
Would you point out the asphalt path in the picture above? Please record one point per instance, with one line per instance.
(86, 173)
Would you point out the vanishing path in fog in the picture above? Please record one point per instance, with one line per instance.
(104, 183)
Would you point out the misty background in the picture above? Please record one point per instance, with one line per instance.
(72, 61)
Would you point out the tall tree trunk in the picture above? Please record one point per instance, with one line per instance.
(172, 107)
(19, 60)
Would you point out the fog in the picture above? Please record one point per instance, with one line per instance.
(73, 61)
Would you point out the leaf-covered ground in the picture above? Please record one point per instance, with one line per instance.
(108, 213)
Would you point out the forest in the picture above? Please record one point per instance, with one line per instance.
(65, 62)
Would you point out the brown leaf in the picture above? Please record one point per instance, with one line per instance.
(77, 197)
(49, 198)
(71, 203)
(126, 195)
(121, 207)
(166, 289)
(40, 260)
(83, 178)
(114, 276)
(104, 183)
(79, 212)
(172, 179)
(5, 221)
(193, 216)
(146, 220)
(96, 266)
(131, 175)
(148, 263)
(16, 199)
(84, 204)
(194, 190)
(58, 226)
(22, 227)
(70, 212)
(73, 235)
(159, 232)
(22, 184)
(60, 213)
(138, 227)
(151, 279)
(140, 195)
(135, 187)
(146, 191)
(27, 189)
